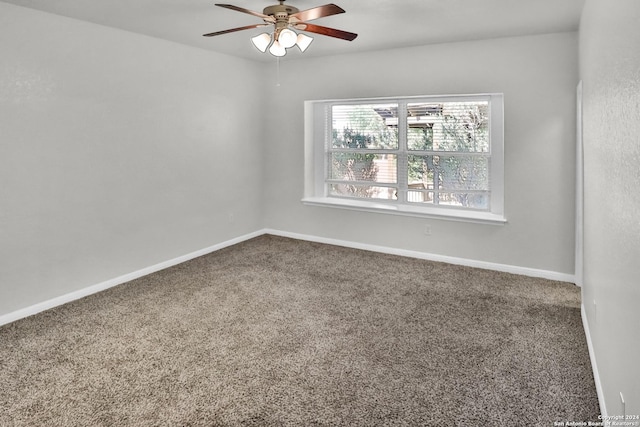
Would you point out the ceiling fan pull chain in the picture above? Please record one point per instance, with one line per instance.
(277, 71)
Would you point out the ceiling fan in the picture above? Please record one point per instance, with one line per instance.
(284, 20)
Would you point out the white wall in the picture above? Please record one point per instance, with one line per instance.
(537, 75)
(610, 70)
(117, 152)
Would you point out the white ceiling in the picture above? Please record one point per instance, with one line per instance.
(380, 24)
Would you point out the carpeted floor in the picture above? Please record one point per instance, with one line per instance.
(275, 331)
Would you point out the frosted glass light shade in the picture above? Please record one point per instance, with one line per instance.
(303, 41)
(287, 38)
(261, 41)
(276, 49)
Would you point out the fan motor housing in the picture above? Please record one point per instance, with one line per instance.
(280, 11)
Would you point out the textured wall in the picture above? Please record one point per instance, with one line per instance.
(537, 75)
(610, 70)
(117, 152)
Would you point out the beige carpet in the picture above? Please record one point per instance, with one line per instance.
(276, 331)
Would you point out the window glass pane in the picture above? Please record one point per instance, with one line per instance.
(365, 126)
(420, 137)
(448, 126)
(463, 200)
(363, 191)
(466, 200)
(448, 173)
(363, 167)
(420, 196)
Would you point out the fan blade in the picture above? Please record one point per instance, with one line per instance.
(318, 12)
(326, 31)
(233, 30)
(250, 12)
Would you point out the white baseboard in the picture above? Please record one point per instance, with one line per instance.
(63, 299)
(72, 296)
(532, 272)
(594, 365)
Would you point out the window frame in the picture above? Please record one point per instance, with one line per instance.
(318, 129)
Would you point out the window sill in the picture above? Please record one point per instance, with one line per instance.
(407, 210)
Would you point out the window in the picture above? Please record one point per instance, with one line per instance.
(420, 156)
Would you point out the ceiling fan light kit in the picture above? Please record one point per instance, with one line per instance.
(284, 20)
(303, 42)
(261, 41)
(284, 41)
(277, 49)
(287, 38)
